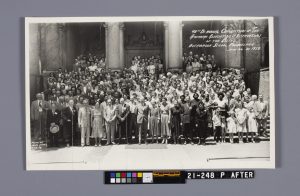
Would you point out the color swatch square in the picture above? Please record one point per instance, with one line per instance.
(140, 180)
(118, 175)
(147, 177)
(118, 180)
(112, 175)
(134, 175)
(128, 180)
(140, 175)
(112, 180)
(123, 175)
(128, 175)
(134, 180)
(123, 180)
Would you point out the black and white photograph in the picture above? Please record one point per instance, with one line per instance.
(147, 93)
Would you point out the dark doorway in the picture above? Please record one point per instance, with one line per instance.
(144, 39)
(265, 61)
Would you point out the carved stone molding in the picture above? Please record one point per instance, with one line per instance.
(166, 25)
(61, 27)
(122, 26)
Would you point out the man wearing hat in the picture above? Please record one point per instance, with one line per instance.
(37, 112)
(53, 125)
(69, 116)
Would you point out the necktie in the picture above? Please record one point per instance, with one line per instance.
(40, 106)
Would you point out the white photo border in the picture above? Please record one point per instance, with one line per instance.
(211, 165)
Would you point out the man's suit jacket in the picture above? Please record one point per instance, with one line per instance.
(185, 113)
(69, 115)
(84, 117)
(124, 113)
(261, 109)
(35, 109)
(53, 117)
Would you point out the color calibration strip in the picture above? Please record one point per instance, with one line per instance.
(171, 177)
(144, 177)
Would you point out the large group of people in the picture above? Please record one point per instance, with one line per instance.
(192, 63)
(146, 104)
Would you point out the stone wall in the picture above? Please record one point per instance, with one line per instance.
(253, 58)
(34, 60)
(56, 45)
(189, 26)
(229, 56)
(53, 46)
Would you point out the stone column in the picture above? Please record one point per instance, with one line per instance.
(121, 41)
(181, 46)
(106, 44)
(62, 44)
(34, 59)
(166, 36)
(173, 44)
(113, 45)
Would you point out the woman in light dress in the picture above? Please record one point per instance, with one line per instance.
(97, 124)
(196, 65)
(222, 106)
(154, 121)
(231, 125)
(165, 120)
(252, 124)
(241, 116)
(189, 67)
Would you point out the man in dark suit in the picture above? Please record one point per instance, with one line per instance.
(133, 119)
(37, 113)
(185, 118)
(53, 119)
(122, 122)
(194, 105)
(69, 123)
